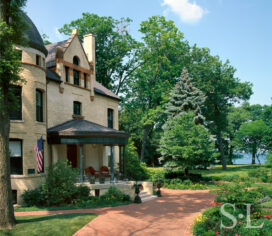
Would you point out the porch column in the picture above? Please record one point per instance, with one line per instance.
(81, 163)
(111, 165)
(124, 162)
(120, 159)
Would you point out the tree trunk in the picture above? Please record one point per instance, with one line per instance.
(146, 132)
(7, 219)
(253, 162)
(221, 150)
(230, 155)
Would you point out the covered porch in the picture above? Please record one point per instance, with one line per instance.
(86, 144)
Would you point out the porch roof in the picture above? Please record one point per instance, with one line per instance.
(79, 131)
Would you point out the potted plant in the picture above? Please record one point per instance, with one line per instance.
(138, 188)
(159, 184)
(92, 179)
(101, 179)
(117, 176)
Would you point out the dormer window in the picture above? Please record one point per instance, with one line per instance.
(76, 61)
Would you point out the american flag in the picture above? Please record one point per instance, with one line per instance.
(39, 154)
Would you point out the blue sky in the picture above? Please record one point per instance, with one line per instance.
(238, 30)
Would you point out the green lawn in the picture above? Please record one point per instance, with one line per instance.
(241, 170)
(69, 207)
(48, 225)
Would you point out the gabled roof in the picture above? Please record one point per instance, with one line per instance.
(51, 62)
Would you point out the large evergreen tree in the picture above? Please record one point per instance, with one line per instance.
(185, 97)
(11, 33)
(184, 145)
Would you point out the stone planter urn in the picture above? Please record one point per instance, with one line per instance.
(159, 184)
(138, 189)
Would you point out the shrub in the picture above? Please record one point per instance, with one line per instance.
(179, 184)
(136, 170)
(82, 192)
(33, 197)
(174, 175)
(182, 176)
(59, 187)
(155, 173)
(114, 194)
(238, 193)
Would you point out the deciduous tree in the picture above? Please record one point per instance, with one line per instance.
(163, 58)
(11, 33)
(222, 89)
(251, 137)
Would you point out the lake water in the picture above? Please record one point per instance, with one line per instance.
(246, 159)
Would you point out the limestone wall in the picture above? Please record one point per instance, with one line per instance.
(28, 129)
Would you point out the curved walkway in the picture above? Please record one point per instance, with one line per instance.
(171, 215)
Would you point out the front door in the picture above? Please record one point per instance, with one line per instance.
(72, 154)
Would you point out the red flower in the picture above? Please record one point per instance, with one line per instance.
(239, 222)
(217, 232)
(267, 216)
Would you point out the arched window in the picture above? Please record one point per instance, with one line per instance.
(76, 60)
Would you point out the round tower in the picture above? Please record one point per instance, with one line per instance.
(29, 122)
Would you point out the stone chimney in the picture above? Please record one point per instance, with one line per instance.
(89, 47)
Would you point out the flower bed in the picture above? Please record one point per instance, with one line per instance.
(235, 212)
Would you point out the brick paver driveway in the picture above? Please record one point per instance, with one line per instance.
(171, 215)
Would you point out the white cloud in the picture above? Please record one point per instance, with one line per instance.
(186, 10)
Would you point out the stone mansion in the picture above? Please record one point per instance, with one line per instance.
(62, 102)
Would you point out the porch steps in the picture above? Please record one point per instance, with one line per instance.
(146, 197)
